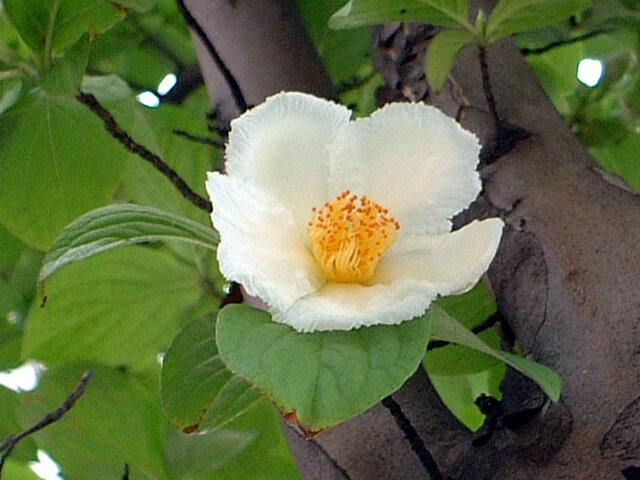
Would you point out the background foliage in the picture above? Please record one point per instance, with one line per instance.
(120, 312)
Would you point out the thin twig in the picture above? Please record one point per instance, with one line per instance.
(199, 139)
(561, 43)
(234, 86)
(123, 137)
(50, 418)
(410, 433)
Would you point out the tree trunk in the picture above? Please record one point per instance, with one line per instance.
(566, 277)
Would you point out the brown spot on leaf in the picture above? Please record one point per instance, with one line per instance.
(190, 429)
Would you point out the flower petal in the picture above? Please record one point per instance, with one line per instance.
(451, 263)
(260, 246)
(344, 306)
(413, 160)
(282, 147)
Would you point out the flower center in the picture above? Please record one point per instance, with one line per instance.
(349, 235)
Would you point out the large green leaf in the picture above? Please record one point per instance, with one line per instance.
(63, 21)
(115, 422)
(119, 308)
(515, 16)
(56, 163)
(447, 13)
(120, 225)
(196, 457)
(320, 378)
(444, 50)
(198, 391)
(447, 328)
(66, 73)
(268, 457)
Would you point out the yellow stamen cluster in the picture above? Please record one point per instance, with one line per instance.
(349, 235)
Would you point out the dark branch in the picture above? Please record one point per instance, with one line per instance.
(199, 139)
(50, 418)
(560, 43)
(236, 91)
(123, 137)
(410, 433)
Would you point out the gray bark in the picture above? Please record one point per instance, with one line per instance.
(566, 277)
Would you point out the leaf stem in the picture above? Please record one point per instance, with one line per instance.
(48, 39)
(48, 419)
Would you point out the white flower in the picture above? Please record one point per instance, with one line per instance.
(337, 224)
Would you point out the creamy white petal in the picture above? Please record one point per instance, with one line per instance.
(413, 160)
(282, 146)
(452, 263)
(344, 306)
(260, 245)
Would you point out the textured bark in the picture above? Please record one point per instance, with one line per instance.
(567, 281)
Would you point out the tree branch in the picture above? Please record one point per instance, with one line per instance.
(50, 418)
(123, 137)
(561, 43)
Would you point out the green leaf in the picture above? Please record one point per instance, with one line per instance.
(456, 360)
(10, 90)
(460, 374)
(18, 471)
(345, 53)
(56, 163)
(460, 392)
(66, 74)
(447, 328)
(321, 378)
(444, 50)
(74, 18)
(516, 16)
(120, 308)
(138, 5)
(197, 456)
(17, 291)
(154, 128)
(446, 13)
(621, 158)
(470, 308)
(117, 226)
(268, 457)
(115, 422)
(198, 391)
